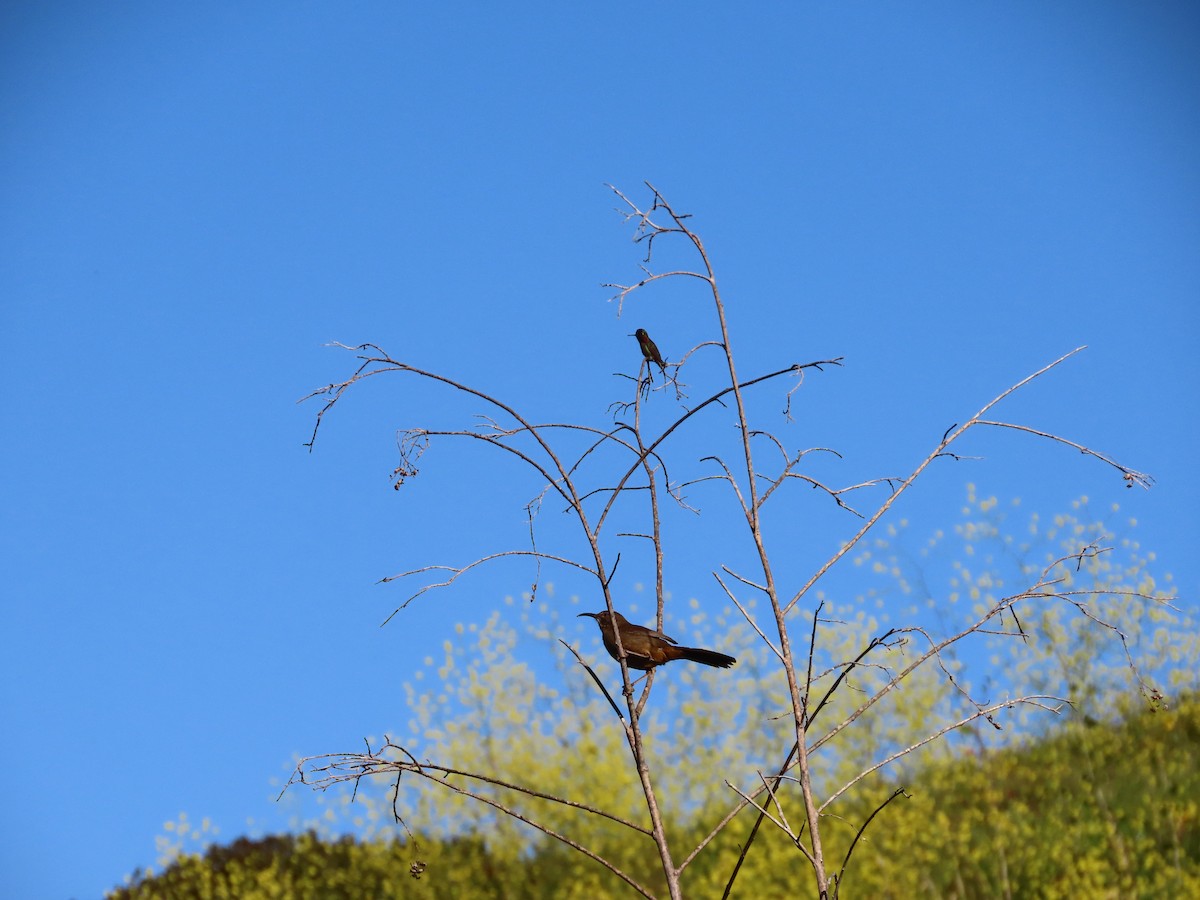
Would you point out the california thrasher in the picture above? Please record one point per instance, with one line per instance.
(645, 649)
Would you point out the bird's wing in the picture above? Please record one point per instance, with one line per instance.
(657, 634)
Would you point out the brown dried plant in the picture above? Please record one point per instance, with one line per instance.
(790, 797)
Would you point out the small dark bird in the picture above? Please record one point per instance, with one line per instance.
(645, 649)
(649, 350)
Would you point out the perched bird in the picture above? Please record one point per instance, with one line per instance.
(645, 649)
(649, 350)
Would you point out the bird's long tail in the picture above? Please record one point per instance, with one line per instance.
(706, 657)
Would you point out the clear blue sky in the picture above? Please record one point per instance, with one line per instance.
(195, 198)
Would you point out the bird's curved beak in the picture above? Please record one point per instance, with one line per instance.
(581, 615)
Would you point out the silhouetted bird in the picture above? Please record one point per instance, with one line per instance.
(645, 649)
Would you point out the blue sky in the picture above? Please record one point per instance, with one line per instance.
(195, 199)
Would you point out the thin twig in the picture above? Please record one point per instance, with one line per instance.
(1131, 476)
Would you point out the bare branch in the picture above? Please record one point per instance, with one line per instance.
(1037, 700)
(899, 792)
(599, 683)
(340, 768)
(462, 570)
(691, 412)
(764, 813)
(745, 613)
(1131, 476)
(952, 434)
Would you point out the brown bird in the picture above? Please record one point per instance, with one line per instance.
(645, 649)
(649, 351)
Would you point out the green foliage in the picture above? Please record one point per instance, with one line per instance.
(307, 866)
(1103, 806)
(564, 742)
(1091, 811)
